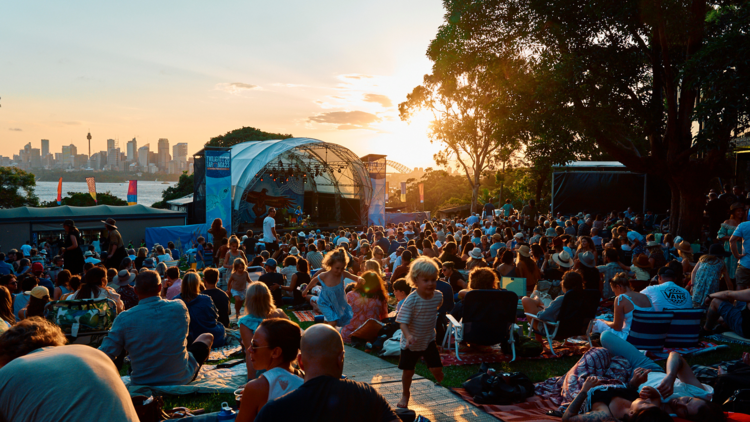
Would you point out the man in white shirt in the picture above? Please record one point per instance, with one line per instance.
(270, 238)
(668, 295)
(89, 257)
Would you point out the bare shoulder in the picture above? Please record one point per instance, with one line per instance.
(279, 313)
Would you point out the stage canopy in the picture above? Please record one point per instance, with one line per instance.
(326, 181)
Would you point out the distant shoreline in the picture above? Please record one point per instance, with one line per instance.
(101, 176)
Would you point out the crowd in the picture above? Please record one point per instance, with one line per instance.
(348, 277)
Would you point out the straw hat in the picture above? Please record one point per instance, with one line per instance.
(587, 259)
(641, 261)
(111, 223)
(685, 246)
(524, 251)
(476, 253)
(294, 251)
(562, 259)
(124, 277)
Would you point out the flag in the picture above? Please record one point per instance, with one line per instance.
(421, 193)
(133, 192)
(92, 187)
(403, 191)
(59, 192)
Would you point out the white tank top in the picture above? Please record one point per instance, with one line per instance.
(280, 382)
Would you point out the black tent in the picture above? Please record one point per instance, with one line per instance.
(599, 187)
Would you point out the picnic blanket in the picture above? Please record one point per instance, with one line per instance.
(493, 354)
(703, 347)
(305, 316)
(232, 345)
(730, 337)
(530, 411)
(210, 379)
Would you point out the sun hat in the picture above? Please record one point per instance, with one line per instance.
(685, 246)
(524, 251)
(294, 251)
(641, 261)
(124, 277)
(496, 237)
(587, 259)
(270, 263)
(39, 292)
(652, 244)
(518, 235)
(149, 263)
(736, 205)
(562, 259)
(37, 267)
(110, 223)
(476, 253)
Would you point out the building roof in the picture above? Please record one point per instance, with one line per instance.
(591, 164)
(100, 212)
(185, 200)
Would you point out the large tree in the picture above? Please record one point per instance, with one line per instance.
(84, 199)
(660, 86)
(17, 188)
(244, 134)
(184, 187)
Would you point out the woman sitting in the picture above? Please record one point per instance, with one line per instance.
(476, 260)
(505, 267)
(161, 254)
(402, 270)
(6, 309)
(94, 287)
(38, 300)
(571, 281)
(368, 301)
(527, 268)
(258, 306)
(627, 301)
(273, 349)
(204, 317)
(479, 279)
(707, 273)
(61, 284)
(291, 292)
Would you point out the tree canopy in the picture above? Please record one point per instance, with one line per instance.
(84, 199)
(244, 134)
(17, 188)
(184, 187)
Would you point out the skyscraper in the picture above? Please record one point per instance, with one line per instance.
(132, 150)
(112, 144)
(45, 147)
(163, 153)
(180, 151)
(143, 153)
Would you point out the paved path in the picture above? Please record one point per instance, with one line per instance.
(434, 402)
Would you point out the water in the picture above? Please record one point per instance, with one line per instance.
(148, 192)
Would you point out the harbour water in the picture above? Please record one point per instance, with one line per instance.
(148, 192)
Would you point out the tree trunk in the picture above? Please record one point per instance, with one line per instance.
(691, 188)
(474, 197)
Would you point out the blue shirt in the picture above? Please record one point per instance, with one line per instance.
(471, 220)
(204, 318)
(393, 248)
(6, 268)
(154, 332)
(495, 247)
(743, 231)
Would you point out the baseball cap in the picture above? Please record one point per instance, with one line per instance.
(271, 263)
(665, 272)
(39, 292)
(37, 266)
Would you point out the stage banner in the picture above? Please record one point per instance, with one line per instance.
(59, 192)
(133, 192)
(185, 238)
(376, 165)
(403, 191)
(91, 183)
(286, 194)
(421, 193)
(219, 187)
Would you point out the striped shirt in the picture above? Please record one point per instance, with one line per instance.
(421, 316)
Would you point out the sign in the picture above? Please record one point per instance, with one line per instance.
(403, 191)
(91, 183)
(133, 192)
(219, 187)
(59, 192)
(421, 193)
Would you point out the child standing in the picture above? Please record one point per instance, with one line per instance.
(418, 317)
(238, 284)
(332, 299)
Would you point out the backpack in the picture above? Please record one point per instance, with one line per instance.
(489, 387)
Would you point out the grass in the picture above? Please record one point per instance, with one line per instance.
(536, 370)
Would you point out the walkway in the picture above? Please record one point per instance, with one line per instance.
(427, 399)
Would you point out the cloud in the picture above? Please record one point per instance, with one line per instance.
(15, 129)
(236, 87)
(355, 76)
(380, 99)
(346, 120)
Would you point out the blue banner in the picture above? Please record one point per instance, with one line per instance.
(219, 187)
(183, 237)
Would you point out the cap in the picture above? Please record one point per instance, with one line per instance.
(271, 263)
(39, 292)
(37, 266)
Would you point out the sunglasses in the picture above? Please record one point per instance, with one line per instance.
(255, 347)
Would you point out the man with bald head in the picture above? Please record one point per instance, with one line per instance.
(325, 396)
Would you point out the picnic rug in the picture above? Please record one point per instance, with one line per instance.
(305, 316)
(210, 379)
(730, 337)
(703, 347)
(232, 346)
(530, 411)
(493, 354)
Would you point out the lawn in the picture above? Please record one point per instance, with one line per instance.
(537, 370)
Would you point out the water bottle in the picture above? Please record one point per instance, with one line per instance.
(226, 414)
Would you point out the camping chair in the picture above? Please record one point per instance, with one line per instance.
(577, 313)
(83, 321)
(648, 330)
(488, 319)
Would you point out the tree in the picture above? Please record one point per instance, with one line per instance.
(660, 86)
(184, 187)
(84, 199)
(13, 180)
(244, 134)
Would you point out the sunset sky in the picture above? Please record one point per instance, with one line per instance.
(188, 71)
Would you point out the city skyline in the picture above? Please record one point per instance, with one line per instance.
(322, 72)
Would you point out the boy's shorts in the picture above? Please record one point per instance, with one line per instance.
(408, 360)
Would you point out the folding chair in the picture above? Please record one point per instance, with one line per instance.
(488, 319)
(648, 330)
(577, 313)
(83, 321)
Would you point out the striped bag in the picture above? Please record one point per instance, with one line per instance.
(649, 329)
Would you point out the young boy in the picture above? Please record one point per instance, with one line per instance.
(418, 317)
(200, 264)
(220, 297)
(401, 290)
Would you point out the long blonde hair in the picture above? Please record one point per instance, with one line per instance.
(258, 300)
(238, 265)
(191, 286)
(373, 265)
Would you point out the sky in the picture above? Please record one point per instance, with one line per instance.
(188, 71)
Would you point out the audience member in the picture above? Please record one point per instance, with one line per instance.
(204, 318)
(220, 297)
(259, 306)
(368, 301)
(667, 294)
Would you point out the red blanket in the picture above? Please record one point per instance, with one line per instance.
(531, 411)
(482, 354)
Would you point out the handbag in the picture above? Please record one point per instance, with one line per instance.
(488, 387)
(149, 409)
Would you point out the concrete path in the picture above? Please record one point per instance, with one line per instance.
(427, 399)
